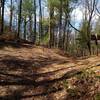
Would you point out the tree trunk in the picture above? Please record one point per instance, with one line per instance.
(60, 24)
(40, 22)
(34, 38)
(19, 18)
(11, 15)
(66, 32)
(51, 32)
(25, 23)
(2, 19)
(30, 26)
(0, 7)
(0, 14)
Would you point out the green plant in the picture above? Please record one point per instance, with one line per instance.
(97, 96)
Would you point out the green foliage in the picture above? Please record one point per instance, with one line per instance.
(53, 3)
(45, 22)
(45, 38)
(83, 35)
(97, 96)
(82, 85)
(28, 7)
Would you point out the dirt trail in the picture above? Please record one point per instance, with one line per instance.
(26, 72)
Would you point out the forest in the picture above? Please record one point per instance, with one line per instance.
(49, 49)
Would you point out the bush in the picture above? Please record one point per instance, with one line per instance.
(82, 86)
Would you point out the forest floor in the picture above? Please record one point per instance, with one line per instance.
(37, 73)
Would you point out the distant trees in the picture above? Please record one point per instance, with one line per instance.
(55, 26)
(89, 12)
(59, 15)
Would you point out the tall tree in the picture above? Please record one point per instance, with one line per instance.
(11, 14)
(51, 15)
(2, 21)
(40, 21)
(0, 7)
(27, 16)
(19, 18)
(67, 10)
(90, 7)
(0, 13)
(34, 40)
(60, 23)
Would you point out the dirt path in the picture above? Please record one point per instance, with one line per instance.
(27, 73)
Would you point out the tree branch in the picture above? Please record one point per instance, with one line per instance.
(74, 28)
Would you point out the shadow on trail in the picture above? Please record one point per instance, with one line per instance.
(30, 84)
(20, 72)
(30, 66)
(20, 80)
(15, 71)
(15, 44)
(18, 95)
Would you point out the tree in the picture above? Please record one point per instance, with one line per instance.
(19, 17)
(2, 19)
(89, 6)
(40, 21)
(67, 10)
(27, 16)
(0, 13)
(0, 8)
(51, 22)
(11, 14)
(34, 40)
(60, 23)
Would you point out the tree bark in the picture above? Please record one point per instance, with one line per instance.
(0, 14)
(40, 21)
(60, 25)
(19, 18)
(2, 18)
(34, 38)
(25, 23)
(51, 32)
(11, 16)
(30, 25)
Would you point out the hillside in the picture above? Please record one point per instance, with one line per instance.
(37, 73)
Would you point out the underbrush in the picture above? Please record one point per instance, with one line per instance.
(84, 86)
